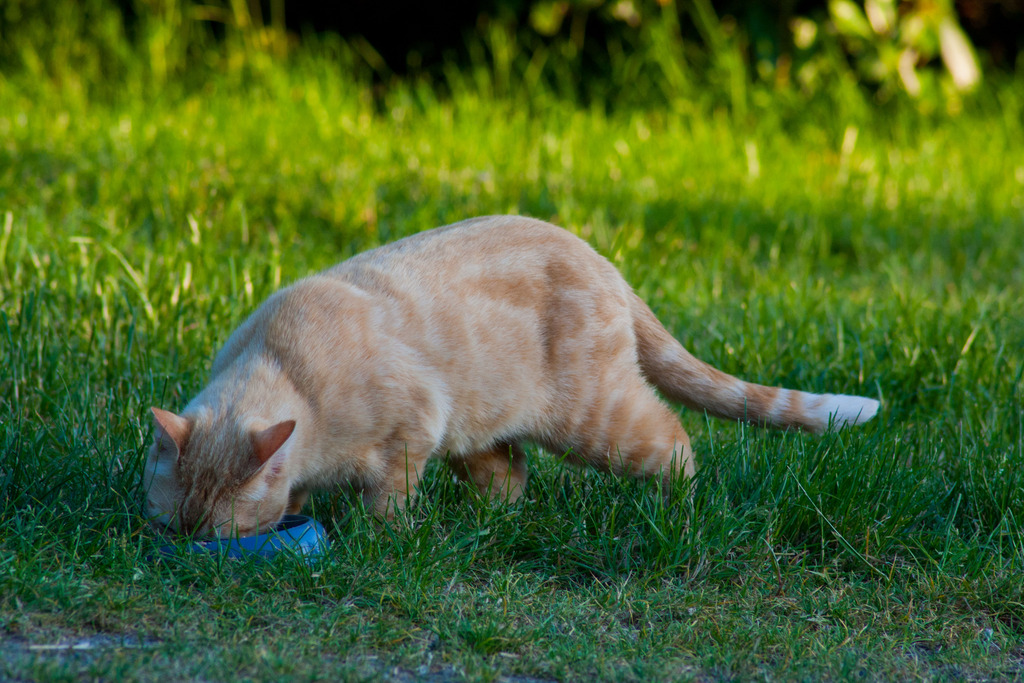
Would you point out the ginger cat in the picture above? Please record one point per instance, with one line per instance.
(463, 341)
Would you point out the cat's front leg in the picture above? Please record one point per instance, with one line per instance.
(296, 501)
(498, 472)
(388, 495)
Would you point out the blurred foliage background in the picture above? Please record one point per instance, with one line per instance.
(742, 56)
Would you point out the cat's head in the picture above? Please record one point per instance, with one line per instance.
(208, 476)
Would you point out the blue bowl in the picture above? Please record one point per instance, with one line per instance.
(295, 534)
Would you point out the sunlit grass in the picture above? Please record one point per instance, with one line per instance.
(878, 256)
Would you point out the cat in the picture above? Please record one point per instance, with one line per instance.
(461, 342)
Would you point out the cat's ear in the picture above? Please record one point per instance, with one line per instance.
(171, 429)
(270, 440)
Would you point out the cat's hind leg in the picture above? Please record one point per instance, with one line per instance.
(632, 432)
(498, 472)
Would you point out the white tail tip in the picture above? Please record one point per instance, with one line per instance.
(838, 410)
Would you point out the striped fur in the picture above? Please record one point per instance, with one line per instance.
(460, 342)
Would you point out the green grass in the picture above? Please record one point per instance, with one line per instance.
(876, 254)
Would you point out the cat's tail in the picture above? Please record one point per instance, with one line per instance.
(697, 385)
